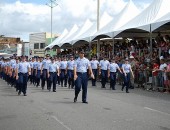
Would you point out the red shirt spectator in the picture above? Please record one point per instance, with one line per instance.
(155, 68)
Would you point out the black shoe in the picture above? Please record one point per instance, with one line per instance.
(25, 94)
(19, 93)
(75, 99)
(127, 91)
(85, 102)
(122, 89)
(54, 90)
(113, 89)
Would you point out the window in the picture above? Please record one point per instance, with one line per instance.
(36, 46)
(42, 45)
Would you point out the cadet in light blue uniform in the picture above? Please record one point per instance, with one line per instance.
(127, 70)
(94, 65)
(80, 76)
(58, 61)
(112, 69)
(34, 71)
(38, 71)
(70, 71)
(45, 66)
(53, 70)
(103, 71)
(63, 72)
(24, 70)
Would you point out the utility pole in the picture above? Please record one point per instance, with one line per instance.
(98, 25)
(52, 4)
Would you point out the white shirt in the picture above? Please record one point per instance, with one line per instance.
(126, 68)
(70, 65)
(104, 64)
(82, 64)
(63, 65)
(113, 67)
(162, 66)
(94, 64)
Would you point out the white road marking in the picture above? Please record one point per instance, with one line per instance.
(55, 118)
(157, 111)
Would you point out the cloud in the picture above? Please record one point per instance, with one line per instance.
(21, 19)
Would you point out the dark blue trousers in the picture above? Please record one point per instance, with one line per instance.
(112, 80)
(38, 77)
(81, 81)
(23, 78)
(95, 77)
(70, 74)
(104, 75)
(44, 78)
(52, 80)
(126, 81)
(63, 77)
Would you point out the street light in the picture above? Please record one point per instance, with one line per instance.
(98, 25)
(52, 4)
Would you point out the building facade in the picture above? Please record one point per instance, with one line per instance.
(38, 41)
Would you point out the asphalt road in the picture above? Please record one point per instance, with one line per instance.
(106, 110)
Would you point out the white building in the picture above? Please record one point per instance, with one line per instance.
(38, 41)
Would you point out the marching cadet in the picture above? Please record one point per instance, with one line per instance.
(38, 71)
(31, 66)
(58, 61)
(22, 74)
(53, 71)
(94, 65)
(14, 67)
(70, 71)
(103, 71)
(112, 69)
(63, 72)
(80, 76)
(126, 71)
(34, 71)
(45, 66)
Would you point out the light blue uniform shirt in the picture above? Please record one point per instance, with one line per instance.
(13, 66)
(113, 67)
(35, 65)
(31, 64)
(104, 64)
(82, 64)
(39, 65)
(12, 62)
(94, 64)
(46, 63)
(63, 65)
(53, 67)
(70, 65)
(23, 67)
(126, 68)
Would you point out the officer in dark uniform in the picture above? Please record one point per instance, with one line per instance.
(80, 76)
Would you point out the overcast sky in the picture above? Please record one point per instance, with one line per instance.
(19, 18)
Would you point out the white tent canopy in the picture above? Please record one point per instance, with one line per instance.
(57, 41)
(156, 10)
(86, 36)
(119, 20)
(67, 38)
(163, 20)
(83, 29)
